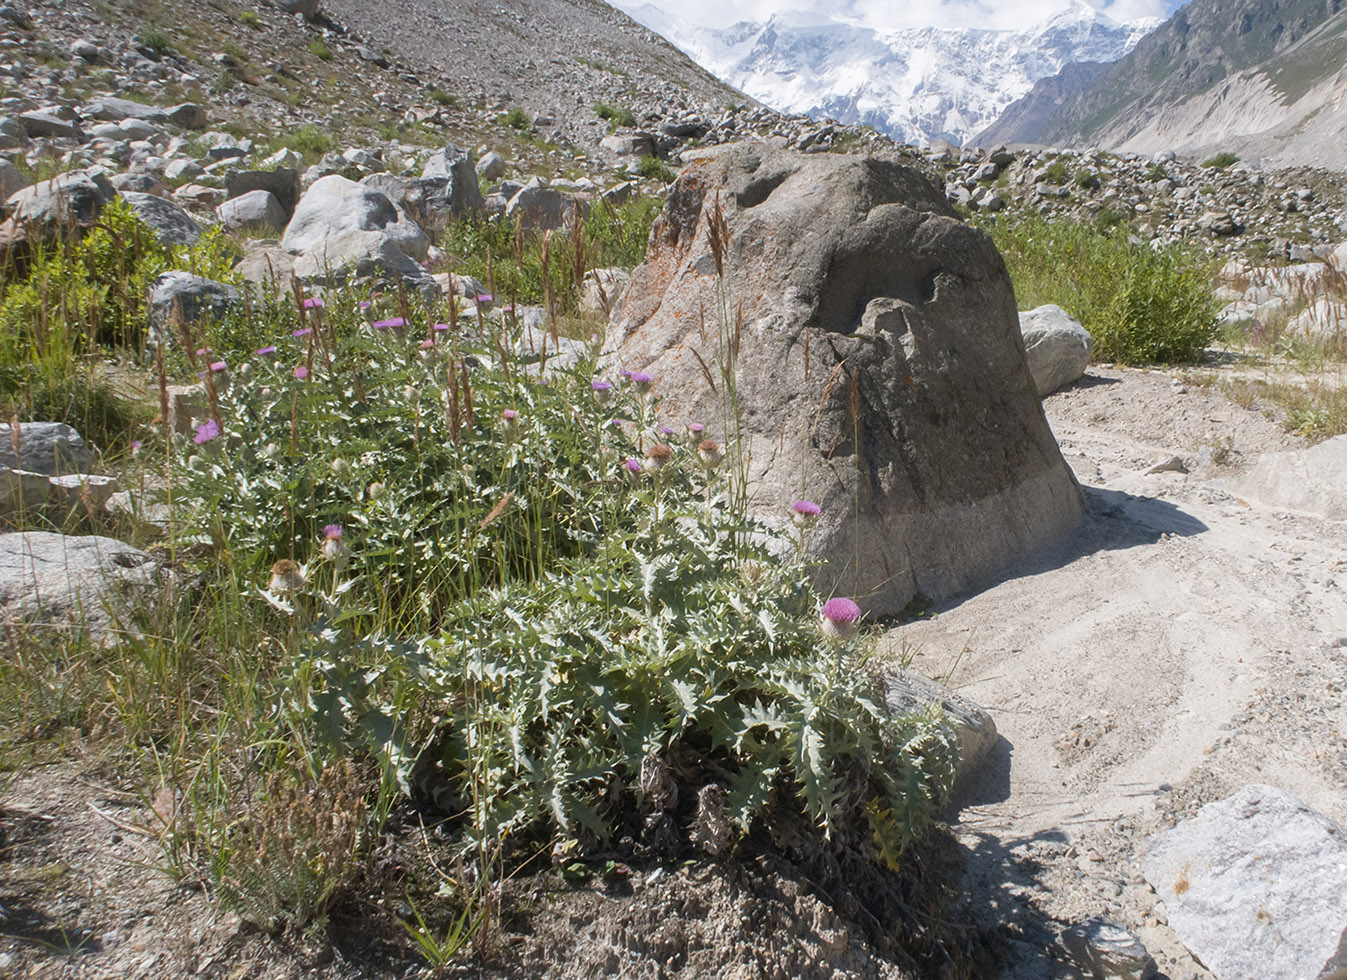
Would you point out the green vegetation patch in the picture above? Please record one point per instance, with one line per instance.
(1141, 305)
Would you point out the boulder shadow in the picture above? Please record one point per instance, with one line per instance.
(988, 783)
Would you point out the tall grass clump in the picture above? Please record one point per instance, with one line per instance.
(511, 261)
(1142, 305)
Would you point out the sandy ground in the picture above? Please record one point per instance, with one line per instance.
(1181, 644)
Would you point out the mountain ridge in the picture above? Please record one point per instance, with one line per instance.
(913, 84)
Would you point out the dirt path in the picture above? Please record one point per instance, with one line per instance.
(1182, 644)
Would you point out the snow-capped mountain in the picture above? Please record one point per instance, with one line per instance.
(914, 84)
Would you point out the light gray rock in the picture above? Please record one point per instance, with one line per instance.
(491, 167)
(1303, 479)
(1256, 886)
(49, 448)
(907, 313)
(628, 145)
(12, 179)
(188, 115)
(974, 731)
(139, 184)
(1107, 951)
(22, 491)
(539, 207)
(139, 129)
(254, 210)
(183, 169)
(266, 266)
(170, 223)
(603, 289)
(308, 9)
(81, 494)
(70, 199)
(41, 124)
(1056, 345)
(112, 109)
(192, 297)
(282, 183)
(198, 195)
(284, 158)
(82, 582)
(340, 223)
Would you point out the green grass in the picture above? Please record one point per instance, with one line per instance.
(653, 168)
(320, 51)
(516, 118)
(1141, 305)
(249, 18)
(617, 115)
(1222, 160)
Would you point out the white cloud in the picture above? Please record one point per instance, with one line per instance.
(885, 14)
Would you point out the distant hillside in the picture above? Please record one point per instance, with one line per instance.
(1262, 78)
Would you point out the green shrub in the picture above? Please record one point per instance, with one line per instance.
(653, 168)
(309, 141)
(1222, 160)
(320, 50)
(605, 638)
(156, 42)
(1087, 180)
(1057, 173)
(516, 118)
(250, 19)
(1141, 305)
(442, 98)
(1157, 172)
(617, 115)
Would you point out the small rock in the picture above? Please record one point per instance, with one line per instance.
(1056, 345)
(1108, 951)
(1174, 464)
(49, 448)
(257, 210)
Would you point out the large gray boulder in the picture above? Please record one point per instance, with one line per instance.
(340, 224)
(49, 448)
(1256, 886)
(255, 210)
(60, 580)
(307, 8)
(880, 370)
(189, 115)
(42, 124)
(538, 207)
(73, 199)
(282, 183)
(430, 201)
(1313, 480)
(1057, 346)
(170, 223)
(181, 294)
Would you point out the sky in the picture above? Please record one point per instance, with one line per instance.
(889, 14)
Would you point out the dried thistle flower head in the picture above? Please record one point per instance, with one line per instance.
(286, 576)
(658, 456)
(710, 452)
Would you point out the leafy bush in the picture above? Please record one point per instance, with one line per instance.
(1157, 172)
(516, 118)
(1141, 305)
(1057, 173)
(1087, 180)
(442, 98)
(320, 51)
(1222, 160)
(250, 19)
(653, 168)
(617, 115)
(608, 638)
(309, 141)
(155, 42)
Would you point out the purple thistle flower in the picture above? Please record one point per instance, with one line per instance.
(632, 466)
(270, 349)
(364, 304)
(135, 445)
(441, 327)
(314, 303)
(301, 372)
(396, 321)
(301, 332)
(838, 618)
(640, 378)
(509, 415)
(508, 308)
(806, 508)
(427, 344)
(202, 351)
(206, 431)
(666, 430)
(332, 532)
(218, 365)
(696, 428)
(483, 297)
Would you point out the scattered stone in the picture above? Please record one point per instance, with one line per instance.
(539, 207)
(266, 266)
(72, 199)
(170, 223)
(491, 167)
(603, 290)
(1253, 886)
(973, 729)
(1108, 951)
(12, 180)
(41, 124)
(1056, 345)
(1174, 464)
(49, 448)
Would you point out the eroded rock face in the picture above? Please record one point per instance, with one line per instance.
(880, 370)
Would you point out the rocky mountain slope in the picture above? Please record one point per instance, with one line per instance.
(1260, 78)
(914, 84)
